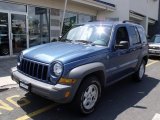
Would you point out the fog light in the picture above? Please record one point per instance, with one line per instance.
(67, 81)
(67, 94)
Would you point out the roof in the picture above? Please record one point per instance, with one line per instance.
(108, 23)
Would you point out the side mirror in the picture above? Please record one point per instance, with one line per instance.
(122, 45)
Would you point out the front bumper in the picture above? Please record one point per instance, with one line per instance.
(52, 92)
(154, 52)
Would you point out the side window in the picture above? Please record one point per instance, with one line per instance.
(122, 35)
(142, 34)
(134, 35)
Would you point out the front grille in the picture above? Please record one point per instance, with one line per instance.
(34, 69)
(155, 48)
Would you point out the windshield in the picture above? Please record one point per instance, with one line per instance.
(95, 34)
(155, 39)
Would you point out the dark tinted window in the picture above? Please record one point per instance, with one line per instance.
(134, 35)
(122, 35)
(142, 34)
(155, 39)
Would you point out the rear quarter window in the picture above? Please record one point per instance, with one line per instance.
(142, 34)
(134, 35)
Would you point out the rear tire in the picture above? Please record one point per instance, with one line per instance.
(138, 76)
(88, 95)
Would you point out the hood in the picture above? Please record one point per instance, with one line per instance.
(61, 51)
(154, 44)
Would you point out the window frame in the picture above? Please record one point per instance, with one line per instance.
(115, 35)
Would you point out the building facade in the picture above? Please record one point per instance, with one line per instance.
(27, 23)
(155, 28)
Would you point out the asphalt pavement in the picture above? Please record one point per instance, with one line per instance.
(125, 100)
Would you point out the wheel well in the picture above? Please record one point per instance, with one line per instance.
(100, 75)
(145, 58)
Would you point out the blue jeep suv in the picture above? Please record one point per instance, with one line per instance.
(86, 59)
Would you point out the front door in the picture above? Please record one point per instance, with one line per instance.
(120, 59)
(18, 33)
(13, 33)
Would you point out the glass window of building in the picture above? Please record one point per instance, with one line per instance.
(18, 27)
(74, 18)
(70, 19)
(39, 26)
(4, 37)
(55, 26)
(13, 7)
(85, 18)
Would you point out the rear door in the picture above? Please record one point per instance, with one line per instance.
(135, 46)
(143, 40)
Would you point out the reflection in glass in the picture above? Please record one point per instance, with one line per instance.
(12, 7)
(18, 32)
(73, 18)
(38, 26)
(96, 34)
(69, 20)
(4, 38)
(84, 18)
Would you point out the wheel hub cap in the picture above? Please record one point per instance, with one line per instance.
(141, 71)
(90, 96)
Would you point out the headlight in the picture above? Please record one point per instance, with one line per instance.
(20, 57)
(57, 69)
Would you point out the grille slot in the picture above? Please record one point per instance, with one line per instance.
(34, 69)
(155, 48)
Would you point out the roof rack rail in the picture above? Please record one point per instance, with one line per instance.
(130, 21)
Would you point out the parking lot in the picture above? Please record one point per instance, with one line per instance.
(126, 100)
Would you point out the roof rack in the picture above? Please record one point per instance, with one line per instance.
(130, 21)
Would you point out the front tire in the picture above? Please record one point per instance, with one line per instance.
(88, 95)
(138, 76)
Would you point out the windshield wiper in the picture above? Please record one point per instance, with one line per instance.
(66, 40)
(85, 41)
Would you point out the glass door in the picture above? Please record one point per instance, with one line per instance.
(18, 33)
(4, 34)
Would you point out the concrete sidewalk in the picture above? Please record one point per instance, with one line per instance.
(5, 74)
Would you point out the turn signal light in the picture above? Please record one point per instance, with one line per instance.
(67, 94)
(67, 81)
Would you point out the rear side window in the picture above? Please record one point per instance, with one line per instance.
(134, 36)
(142, 34)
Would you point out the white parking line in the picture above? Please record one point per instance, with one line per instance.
(149, 64)
(156, 117)
(0, 113)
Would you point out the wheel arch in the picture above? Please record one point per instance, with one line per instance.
(145, 58)
(82, 72)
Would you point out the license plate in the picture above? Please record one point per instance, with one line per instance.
(24, 86)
